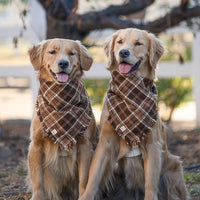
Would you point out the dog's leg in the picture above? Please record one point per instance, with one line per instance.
(84, 160)
(35, 159)
(103, 163)
(152, 170)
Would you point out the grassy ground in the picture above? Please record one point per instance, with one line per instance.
(14, 140)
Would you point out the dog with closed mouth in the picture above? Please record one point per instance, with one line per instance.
(132, 149)
(63, 129)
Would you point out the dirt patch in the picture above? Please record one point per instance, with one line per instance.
(14, 141)
(185, 144)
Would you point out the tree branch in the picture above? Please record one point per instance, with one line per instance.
(171, 19)
(55, 7)
(125, 9)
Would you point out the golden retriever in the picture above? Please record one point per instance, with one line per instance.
(155, 174)
(56, 173)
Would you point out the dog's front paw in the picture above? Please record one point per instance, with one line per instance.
(39, 195)
(150, 196)
(81, 191)
(86, 197)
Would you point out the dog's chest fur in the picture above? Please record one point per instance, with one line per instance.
(62, 162)
(131, 168)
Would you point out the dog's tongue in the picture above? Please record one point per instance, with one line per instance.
(124, 68)
(62, 77)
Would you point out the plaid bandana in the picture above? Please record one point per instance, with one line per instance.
(132, 106)
(64, 111)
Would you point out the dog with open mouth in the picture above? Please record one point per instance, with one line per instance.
(132, 154)
(63, 129)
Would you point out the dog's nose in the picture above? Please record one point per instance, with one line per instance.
(124, 53)
(63, 64)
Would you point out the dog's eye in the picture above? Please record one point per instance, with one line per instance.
(138, 44)
(120, 42)
(52, 52)
(71, 54)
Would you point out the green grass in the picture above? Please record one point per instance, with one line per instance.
(3, 175)
(192, 177)
(21, 171)
(194, 190)
(192, 180)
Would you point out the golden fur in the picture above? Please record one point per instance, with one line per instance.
(156, 174)
(56, 174)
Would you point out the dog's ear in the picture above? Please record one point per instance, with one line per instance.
(85, 57)
(109, 51)
(36, 54)
(156, 50)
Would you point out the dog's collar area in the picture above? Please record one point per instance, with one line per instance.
(134, 152)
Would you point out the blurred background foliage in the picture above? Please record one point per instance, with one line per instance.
(7, 2)
(96, 89)
(178, 47)
(174, 91)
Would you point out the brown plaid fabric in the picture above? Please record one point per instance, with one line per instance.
(64, 111)
(132, 105)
